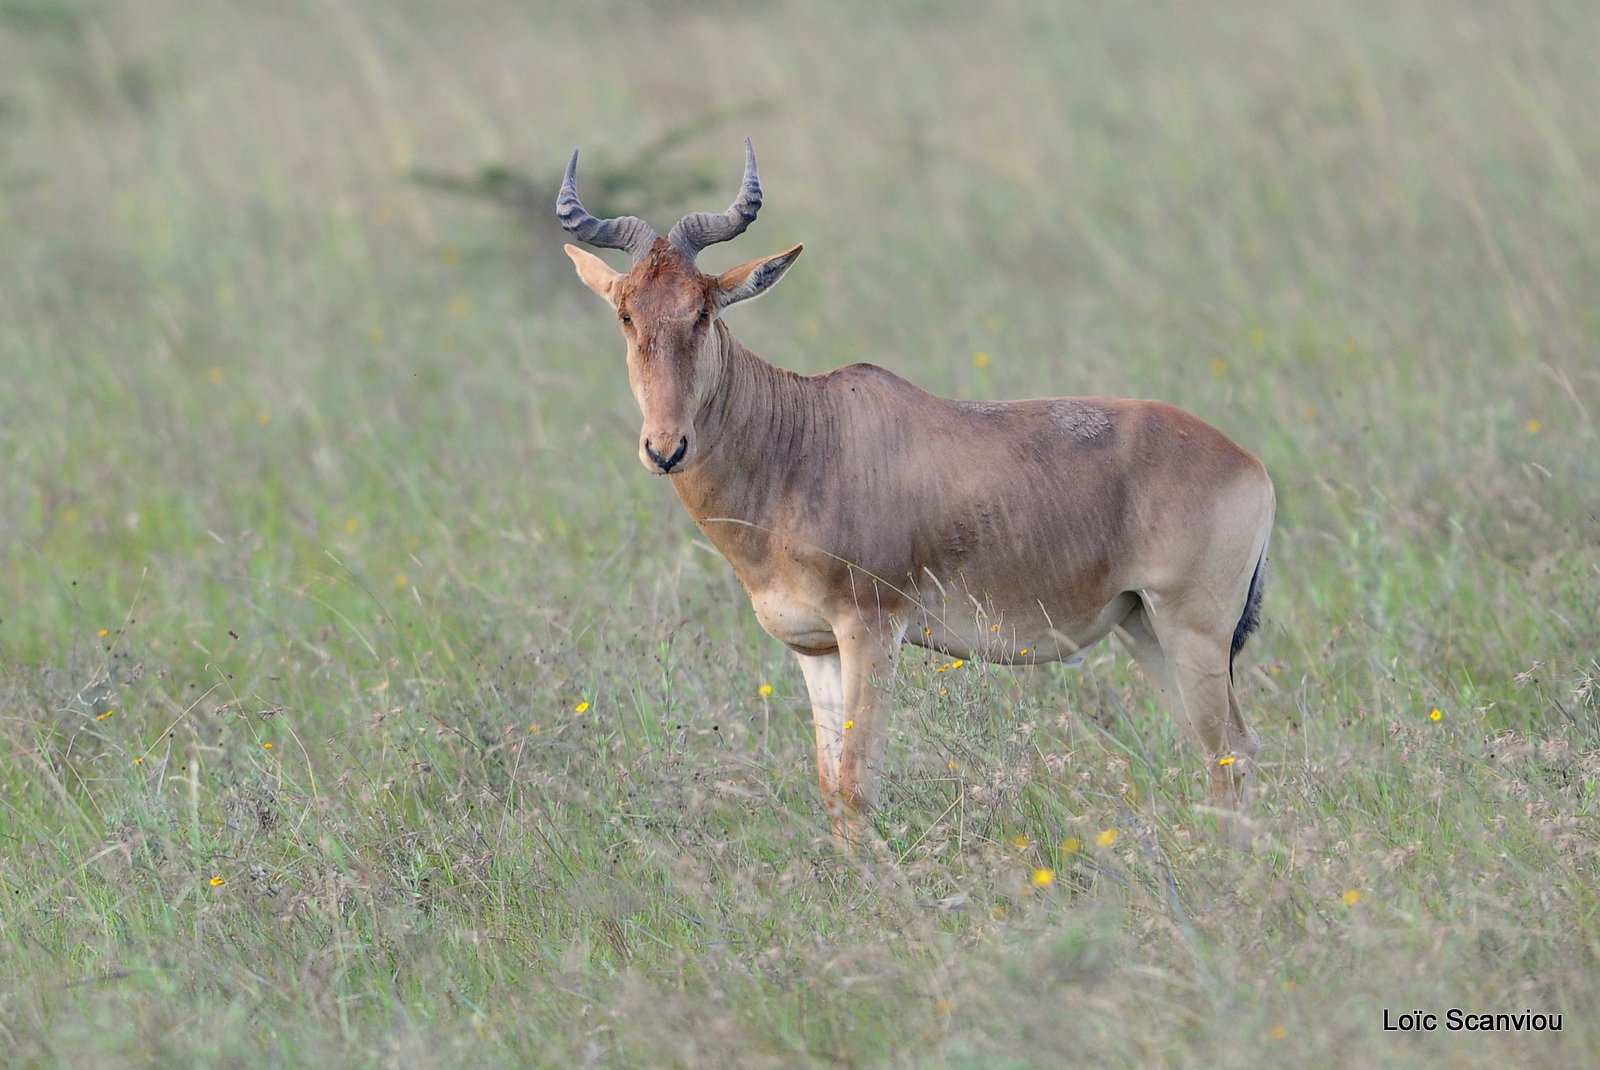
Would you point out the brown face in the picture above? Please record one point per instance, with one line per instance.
(667, 313)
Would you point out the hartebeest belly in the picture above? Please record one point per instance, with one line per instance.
(861, 512)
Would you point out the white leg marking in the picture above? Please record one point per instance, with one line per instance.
(825, 684)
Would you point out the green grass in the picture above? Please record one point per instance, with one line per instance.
(301, 451)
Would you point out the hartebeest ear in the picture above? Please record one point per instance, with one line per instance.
(596, 274)
(753, 279)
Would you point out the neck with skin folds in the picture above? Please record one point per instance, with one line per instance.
(755, 430)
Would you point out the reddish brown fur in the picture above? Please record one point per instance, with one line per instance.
(859, 511)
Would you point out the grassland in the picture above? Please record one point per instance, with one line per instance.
(363, 703)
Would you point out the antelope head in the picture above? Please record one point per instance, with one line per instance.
(670, 312)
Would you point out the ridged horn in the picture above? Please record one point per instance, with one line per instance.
(696, 231)
(624, 232)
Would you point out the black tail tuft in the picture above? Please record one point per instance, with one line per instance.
(1251, 617)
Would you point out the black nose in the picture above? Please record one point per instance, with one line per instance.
(666, 464)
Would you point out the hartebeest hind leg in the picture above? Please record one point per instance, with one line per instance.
(851, 716)
(1188, 664)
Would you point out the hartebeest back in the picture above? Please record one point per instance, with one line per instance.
(860, 512)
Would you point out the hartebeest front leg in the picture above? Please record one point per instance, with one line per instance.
(825, 684)
(851, 715)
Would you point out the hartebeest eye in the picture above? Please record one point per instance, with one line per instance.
(625, 318)
(705, 314)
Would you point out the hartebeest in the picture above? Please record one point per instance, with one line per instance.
(860, 512)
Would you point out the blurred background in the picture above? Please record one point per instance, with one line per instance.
(261, 262)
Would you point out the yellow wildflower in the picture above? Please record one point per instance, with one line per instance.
(582, 707)
(1043, 878)
(1107, 837)
(1020, 842)
(981, 359)
(1071, 845)
(1435, 715)
(217, 882)
(1351, 898)
(764, 690)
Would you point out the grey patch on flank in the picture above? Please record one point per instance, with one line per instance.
(1080, 419)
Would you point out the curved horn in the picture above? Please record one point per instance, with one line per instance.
(624, 232)
(700, 229)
